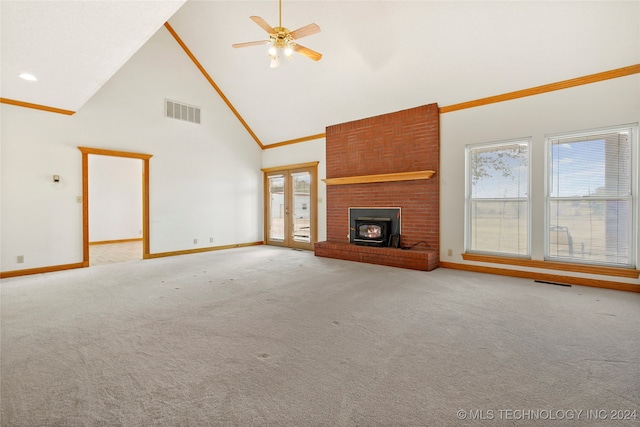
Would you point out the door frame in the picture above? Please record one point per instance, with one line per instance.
(85, 196)
(312, 168)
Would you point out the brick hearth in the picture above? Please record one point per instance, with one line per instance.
(400, 142)
(425, 260)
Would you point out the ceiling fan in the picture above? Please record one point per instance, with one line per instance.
(281, 39)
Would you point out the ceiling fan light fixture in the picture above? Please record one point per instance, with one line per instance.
(281, 40)
(288, 51)
(273, 52)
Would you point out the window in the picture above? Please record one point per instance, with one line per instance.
(590, 200)
(497, 202)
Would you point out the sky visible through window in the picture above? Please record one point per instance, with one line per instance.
(577, 168)
(500, 172)
(589, 206)
(591, 167)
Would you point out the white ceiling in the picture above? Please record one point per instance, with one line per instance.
(72, 47)
(378, 57)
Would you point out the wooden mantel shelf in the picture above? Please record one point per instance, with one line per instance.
(387, 177)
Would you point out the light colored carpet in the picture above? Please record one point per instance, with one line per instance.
(277, 337)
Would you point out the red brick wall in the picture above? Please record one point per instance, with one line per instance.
(404, 141)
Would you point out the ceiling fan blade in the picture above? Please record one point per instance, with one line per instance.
(305, 31)
(250, 43)
(307, 52)
(268, 28)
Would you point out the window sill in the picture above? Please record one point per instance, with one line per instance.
(553, 265)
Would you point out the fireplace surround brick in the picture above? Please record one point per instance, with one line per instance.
(425, 260)
(403, 141)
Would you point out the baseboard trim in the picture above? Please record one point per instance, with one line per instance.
(108, 242)
(54, 268)
(568, 280)
(554, 265)
(39, 270)
(199, 250)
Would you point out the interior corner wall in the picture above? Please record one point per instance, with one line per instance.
(607, 103)
(603, 104)
(308, 151)
(205, 180)
(115, 198)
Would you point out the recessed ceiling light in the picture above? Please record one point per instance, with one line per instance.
(29, 77)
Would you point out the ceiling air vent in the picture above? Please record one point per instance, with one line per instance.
(184, 112)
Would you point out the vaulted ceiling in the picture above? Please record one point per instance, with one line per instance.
(72, 47)
(378, 56)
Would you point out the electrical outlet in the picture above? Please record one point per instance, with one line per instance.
(210, 239)
(195, 241)
(20, 259)
(449, 252)
(79, 199)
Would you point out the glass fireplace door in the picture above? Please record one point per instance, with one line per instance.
(290, 207)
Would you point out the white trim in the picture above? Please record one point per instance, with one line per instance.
(634, 240)
(526, 141)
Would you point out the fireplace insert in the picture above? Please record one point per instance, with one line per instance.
(371, 231)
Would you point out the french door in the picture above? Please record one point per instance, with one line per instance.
(291, 206)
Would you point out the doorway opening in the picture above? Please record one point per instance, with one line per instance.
(291, 205)
(115, 209)
(144, 239)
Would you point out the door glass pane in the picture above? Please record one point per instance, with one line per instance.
(276, 208)
(301, 206)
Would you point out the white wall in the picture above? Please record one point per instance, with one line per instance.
(608, 103)
(115, 198)
(309, 151)
(205, 180)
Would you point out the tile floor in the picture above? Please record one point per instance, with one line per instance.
(112, 253)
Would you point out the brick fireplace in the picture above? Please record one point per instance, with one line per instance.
(384, 161)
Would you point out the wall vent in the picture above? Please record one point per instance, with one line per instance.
(180, 111)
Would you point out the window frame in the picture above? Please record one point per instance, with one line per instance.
(468, 230)
(632, 198)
